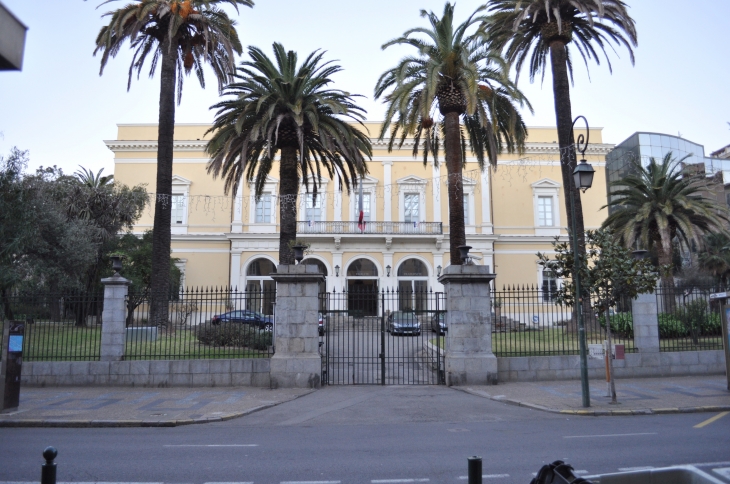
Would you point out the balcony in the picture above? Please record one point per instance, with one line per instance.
(375, 228)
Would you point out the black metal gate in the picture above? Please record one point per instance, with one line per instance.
(382, 338)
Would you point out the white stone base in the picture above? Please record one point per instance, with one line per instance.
(296, 371)
(464, 369)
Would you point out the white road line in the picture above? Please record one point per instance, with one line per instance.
(606, 435)
(724, 472)
(395, 481)
(228, 483)
(211, 445)
(640, 468)
(580, 472)
(310, 482)
(486, 476)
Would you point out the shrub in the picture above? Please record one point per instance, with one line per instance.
(233, 334)
(671, 327)
(622, 324)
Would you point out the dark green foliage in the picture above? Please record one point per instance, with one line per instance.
(233, 334)
(670, 326)
(622, 324)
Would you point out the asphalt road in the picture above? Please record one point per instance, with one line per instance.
(376, 435)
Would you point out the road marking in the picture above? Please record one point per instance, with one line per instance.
(486, 476)
(580, 472)
(211, 445)
(606, 435)
(710, 420)
(394, 481)
(724, 472)
(640, 468)
(228, 483)
(310, 482)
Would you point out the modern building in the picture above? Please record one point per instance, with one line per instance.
(511, 213)
(12, 40)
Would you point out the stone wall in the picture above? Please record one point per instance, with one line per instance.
(150, 373)
(636, 365)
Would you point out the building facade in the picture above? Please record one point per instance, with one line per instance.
(511, 213)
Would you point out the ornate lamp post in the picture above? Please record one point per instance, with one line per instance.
(583, 178)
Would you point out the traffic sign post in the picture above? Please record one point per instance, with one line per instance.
(12, 359)
(723, 297)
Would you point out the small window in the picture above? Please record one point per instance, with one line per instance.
(545, 212)
(313, 206)
(466, 209)
(412, 206)
(549, 285)
(365, 207)
(177, 209)
(263, 209)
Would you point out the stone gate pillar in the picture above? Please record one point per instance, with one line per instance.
(646, 323)
(296, 362)
(468, 354)
(114, 318)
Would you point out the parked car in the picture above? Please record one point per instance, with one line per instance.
(322, 325)
(403, 322)
(438, 323)
(245, 316)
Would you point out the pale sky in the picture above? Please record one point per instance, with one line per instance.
(60, 110)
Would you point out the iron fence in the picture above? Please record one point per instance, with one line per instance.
(200, 323)
(382, 337)
(527, 321)
(688, 320)
(59, 326)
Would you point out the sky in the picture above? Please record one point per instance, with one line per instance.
(61, 110)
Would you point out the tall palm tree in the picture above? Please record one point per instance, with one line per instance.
(287, 107)
(180, 35)
(456, 73)
(660, 202)
(715, 256)
(529, 30)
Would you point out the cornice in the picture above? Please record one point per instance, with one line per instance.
(530, 148)
(151, 145)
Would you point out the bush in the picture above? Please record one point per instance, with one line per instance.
(671, 327)
(713, 325)
(233, 334)
(622, 324)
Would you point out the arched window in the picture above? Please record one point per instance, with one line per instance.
(260, 287)
(362, 268)
(413, 285)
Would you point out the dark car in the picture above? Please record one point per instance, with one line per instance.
(322, 324)
(403, 322)
(245, 316)
(438, 323)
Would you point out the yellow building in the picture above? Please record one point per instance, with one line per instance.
(511, 214)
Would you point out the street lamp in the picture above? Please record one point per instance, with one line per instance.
(583, 179)
(387, 270)
(438, 271)
(337, 271)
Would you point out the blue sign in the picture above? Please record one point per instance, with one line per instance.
(15, 345)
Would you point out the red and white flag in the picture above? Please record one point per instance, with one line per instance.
(361, 218)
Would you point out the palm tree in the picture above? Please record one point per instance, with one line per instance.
(715, 257)
(180, 35)
(287, 107)
(456, 72)
(660, 202)
(91, 180)
(529, 30)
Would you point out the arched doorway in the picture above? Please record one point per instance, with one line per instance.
(260, 287)
(412, 285)
(362, 287)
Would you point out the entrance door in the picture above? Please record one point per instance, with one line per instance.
(362, 297)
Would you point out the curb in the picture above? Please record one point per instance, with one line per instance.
(596, 413)
(58, 423)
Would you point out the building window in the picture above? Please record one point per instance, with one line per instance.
(412, 286)
(466, 209)
(412, 206)
(313, 206)
(365, 207)
(545, 212)
(263, 209)
(177, 209)
(549, 285)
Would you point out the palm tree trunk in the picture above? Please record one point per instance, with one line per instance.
(289, 176)
(452, 147)
(160, 284)
(665, 252)
(564, 121)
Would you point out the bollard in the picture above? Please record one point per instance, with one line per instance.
(475, 470)
(48, 470)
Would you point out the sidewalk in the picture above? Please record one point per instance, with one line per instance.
(139, 407)
(636, 396)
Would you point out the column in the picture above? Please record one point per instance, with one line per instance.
(296, 363)
(113, 318)
(237, 224)
(338, 205)
(468, 357)
(236, 269)
(338, 281)
(436, 192)
(486, 196)
(646, 324)
(387, 191)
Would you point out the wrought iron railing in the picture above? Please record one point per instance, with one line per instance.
(58, 326)
(201, 323)
(385, 228)
(688, 320)
(527, 321)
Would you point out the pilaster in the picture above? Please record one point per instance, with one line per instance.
(114, 318)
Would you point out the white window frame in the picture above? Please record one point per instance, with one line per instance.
(549, 189)
(270, 188)
(181, 187)
(369, 186)
(304, 196)
(558, 285)
(408, 185)
(182, 265)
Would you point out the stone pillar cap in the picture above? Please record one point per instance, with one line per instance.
(466, 273)
(297, 273)
(116, 281)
